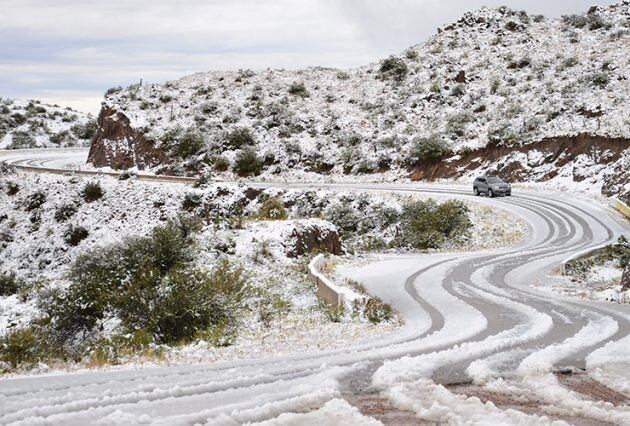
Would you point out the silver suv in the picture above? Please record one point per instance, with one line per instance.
(491, 185)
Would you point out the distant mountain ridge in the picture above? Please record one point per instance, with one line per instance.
(34, 124)
(498, 83)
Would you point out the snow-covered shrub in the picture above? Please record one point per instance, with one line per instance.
(239, 137)
(65, 212)
(187, 145)
(75, 234)
(502, 134)
(248, 163)
(12, 188)
(456, 123)
(34, 201)
(373, 309)
(600, 79)
(431, 148)
(426, 224)
(92, 191)
(334, 313)
(113, 90)
(299, 89)
(28, 346)
(191, 201)
(394, 68)
(151, 284)
(21, 140)
(220, 163)
(85, 131)
(272, 209)
(343, 216)
(9, 284)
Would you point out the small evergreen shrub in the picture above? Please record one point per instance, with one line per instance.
(248, 163)
(600, 79)
(112, 90)
(394, 68)
(65, 212)
(75, 234)
(92, 191)
(34, 201)
(149, 283)
(431, 148)
(187, 145)
(299, 89)
(9, 284)
(239, 138)
(191, 202)
(272, 209)
(12, 188)
(21, 140)
(425, 224)
(220, 163)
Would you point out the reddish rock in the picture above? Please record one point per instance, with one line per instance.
(312, 238)
(118, 145)
(461, 77)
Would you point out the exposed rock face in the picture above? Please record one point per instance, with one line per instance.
(584, 155)
(120, 146)
(312, 237)
(625, 278)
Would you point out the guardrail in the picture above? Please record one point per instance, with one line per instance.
(622, 207)
(585, 253)
(326, 289)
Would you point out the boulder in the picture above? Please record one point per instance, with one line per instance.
(118, 145)
(312, 236)
(460, 77)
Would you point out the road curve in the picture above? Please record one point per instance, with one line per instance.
(463, 311)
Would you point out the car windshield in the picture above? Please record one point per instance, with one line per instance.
(495, 180)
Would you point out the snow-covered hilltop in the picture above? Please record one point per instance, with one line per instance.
(499, 90)
(33, 124)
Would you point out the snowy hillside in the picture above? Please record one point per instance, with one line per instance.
(496, 78)
(33, 124)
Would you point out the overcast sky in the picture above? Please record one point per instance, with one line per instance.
(70, 51)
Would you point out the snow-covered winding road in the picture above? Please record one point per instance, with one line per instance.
(471, 316)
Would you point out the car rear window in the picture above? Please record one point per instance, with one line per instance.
(495, 180)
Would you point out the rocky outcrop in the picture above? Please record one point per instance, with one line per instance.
(118, 145)
(539, 161)
(625, 278)
(313, 237)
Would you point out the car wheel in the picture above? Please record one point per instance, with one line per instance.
(490, 193)
(475, 191)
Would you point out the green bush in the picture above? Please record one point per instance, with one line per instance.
(9, 284)
(239, 138)
(75, 234)
(187, 145)
(220, 163)
(334, 313)
(112, 90)
(431, 148)
(149, 283)
(426, 224)
(248, 163)
(299, 89)
(28, 346)
(85, 131)
(272, 209)
(92, 191)
(394, 68)
(21, 140)
(34, 201)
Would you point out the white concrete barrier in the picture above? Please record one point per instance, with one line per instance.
(622, 207)
(326, 289)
